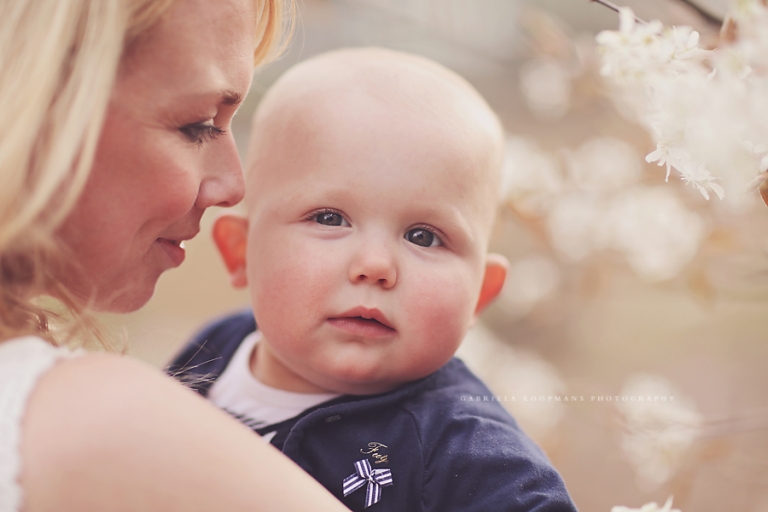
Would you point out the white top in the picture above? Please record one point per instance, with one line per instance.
(22, 362)
(257, 405)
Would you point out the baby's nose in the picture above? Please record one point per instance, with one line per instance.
(374, 266)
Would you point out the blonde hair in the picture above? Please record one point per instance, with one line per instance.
(59, 62)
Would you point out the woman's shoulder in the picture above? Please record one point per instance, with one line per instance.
(23, 361)
(28, 354)
(92, 425)
(105, 432)
(84, 428)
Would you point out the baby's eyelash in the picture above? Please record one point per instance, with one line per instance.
(201, 133)
(327, 216)
(434, 238)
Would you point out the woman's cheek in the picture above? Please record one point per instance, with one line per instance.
(181, 198)
(177, 187)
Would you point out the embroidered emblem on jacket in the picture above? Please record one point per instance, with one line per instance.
(374, 478)
(375, 451)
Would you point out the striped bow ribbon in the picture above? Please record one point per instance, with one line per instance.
(375, 478)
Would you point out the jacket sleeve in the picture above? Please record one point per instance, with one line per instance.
(481, 464)
(202, 360)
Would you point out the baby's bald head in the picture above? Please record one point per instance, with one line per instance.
(350, 89)
(373, 180)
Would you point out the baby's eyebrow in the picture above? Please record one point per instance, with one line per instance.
(450, 220)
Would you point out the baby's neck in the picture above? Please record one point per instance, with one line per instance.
(270, 371)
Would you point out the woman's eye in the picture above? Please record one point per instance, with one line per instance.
(330, 219)
(200, 133)
(423, 237)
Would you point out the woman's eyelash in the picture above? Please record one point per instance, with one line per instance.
(201, 133)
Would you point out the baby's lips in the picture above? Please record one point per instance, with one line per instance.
(367, 313)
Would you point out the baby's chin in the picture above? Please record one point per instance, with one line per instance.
(374, 378)
(364, 389)
(353, 383)
(360, 383)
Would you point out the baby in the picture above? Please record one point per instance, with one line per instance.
(372, 187)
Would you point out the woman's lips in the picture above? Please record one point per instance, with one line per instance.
(174, 249)
(171, 242)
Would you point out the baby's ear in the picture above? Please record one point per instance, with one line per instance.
(496, 267)
(230, 232)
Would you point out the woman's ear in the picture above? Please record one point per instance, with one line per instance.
(496, 267)
(230, 232)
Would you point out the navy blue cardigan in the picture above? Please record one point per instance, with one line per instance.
(444, 449)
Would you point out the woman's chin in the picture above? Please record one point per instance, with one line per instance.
(125, 303)
(125, 298)
(128, 299)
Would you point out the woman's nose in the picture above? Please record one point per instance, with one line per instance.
(223, 183)
(374, 264)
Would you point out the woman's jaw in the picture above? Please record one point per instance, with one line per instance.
(165, 154)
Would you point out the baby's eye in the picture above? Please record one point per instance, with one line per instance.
(423, 237)
(330, 218)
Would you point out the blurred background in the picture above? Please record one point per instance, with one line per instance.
(622, 286)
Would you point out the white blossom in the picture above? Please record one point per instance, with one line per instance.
(575, 225)
(655, 232)
(597, 205)
(746, 10)
(532, 178)
(603, 164)
(546, 86)
(648, 225)
(633, 50)
(658, 433)
(529, 280)
(638, 50)
(702, 108)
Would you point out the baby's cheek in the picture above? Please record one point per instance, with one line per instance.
(442, 310)
(289, 285)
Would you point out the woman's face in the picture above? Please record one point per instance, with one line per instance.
(166, 152)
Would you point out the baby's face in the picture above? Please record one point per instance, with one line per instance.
(366, 248)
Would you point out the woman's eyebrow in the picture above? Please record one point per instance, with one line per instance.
(231, 98)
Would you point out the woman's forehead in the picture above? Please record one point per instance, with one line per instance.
(197, 48)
